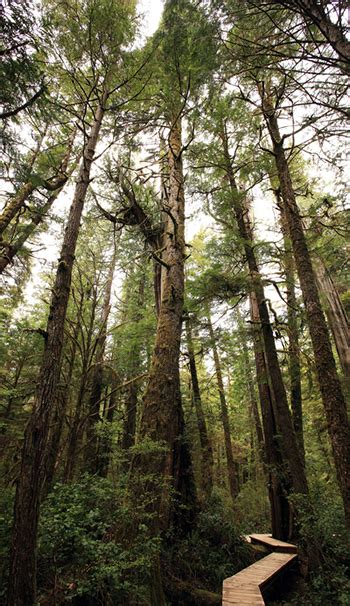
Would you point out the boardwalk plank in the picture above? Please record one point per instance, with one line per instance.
(244, 588)
(275, 544)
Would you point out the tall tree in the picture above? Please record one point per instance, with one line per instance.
(99, 39)
(330, 387)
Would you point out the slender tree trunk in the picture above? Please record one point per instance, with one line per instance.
(36, 447)
(106, 441)
(92, 449)
(231, 467)
(207, 461)
(280, 401)
(11, 250)
(132, 390)
(275, 468)
(16, 201)
(332, 396)
(335, 312)
(250, 387)
(59, 417)
(315, 13)
(293, 333)
(76, 431)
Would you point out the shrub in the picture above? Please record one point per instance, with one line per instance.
(93, 545)
(214, 550)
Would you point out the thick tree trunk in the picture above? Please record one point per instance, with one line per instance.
(335, 312)
(207, 461)
(160, 421)
(36, 447)
(332, 396)
(231, 467)
(166, 465)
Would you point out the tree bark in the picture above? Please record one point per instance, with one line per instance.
(76, 432)
(36, 447)
(161, 421)
(331, 392)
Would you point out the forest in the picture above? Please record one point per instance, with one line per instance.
(174, 300)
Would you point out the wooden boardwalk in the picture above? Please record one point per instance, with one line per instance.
(273, 544)
(245, 587)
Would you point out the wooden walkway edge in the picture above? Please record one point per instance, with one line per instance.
(245, 587)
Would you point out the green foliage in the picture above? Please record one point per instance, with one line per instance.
(214, 551)
(6, 510)
(94, 543)
(330, 584)
(20, 71)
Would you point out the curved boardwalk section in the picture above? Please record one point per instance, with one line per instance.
(245, 588)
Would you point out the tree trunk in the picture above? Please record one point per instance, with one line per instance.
(36, 447)
(91, 448)
(15, 204)
(132, 390)
(315, 13)
(207, 461)
(105, 445)
(332, 396)
(59, 417)
(293, 333)
(76, 432)
(280, 401)
(16, 201)
(161, 420)
(231, 467)
(335, 312)
(278, 488)
(250, 386)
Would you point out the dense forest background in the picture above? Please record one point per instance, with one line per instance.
(175, 343)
